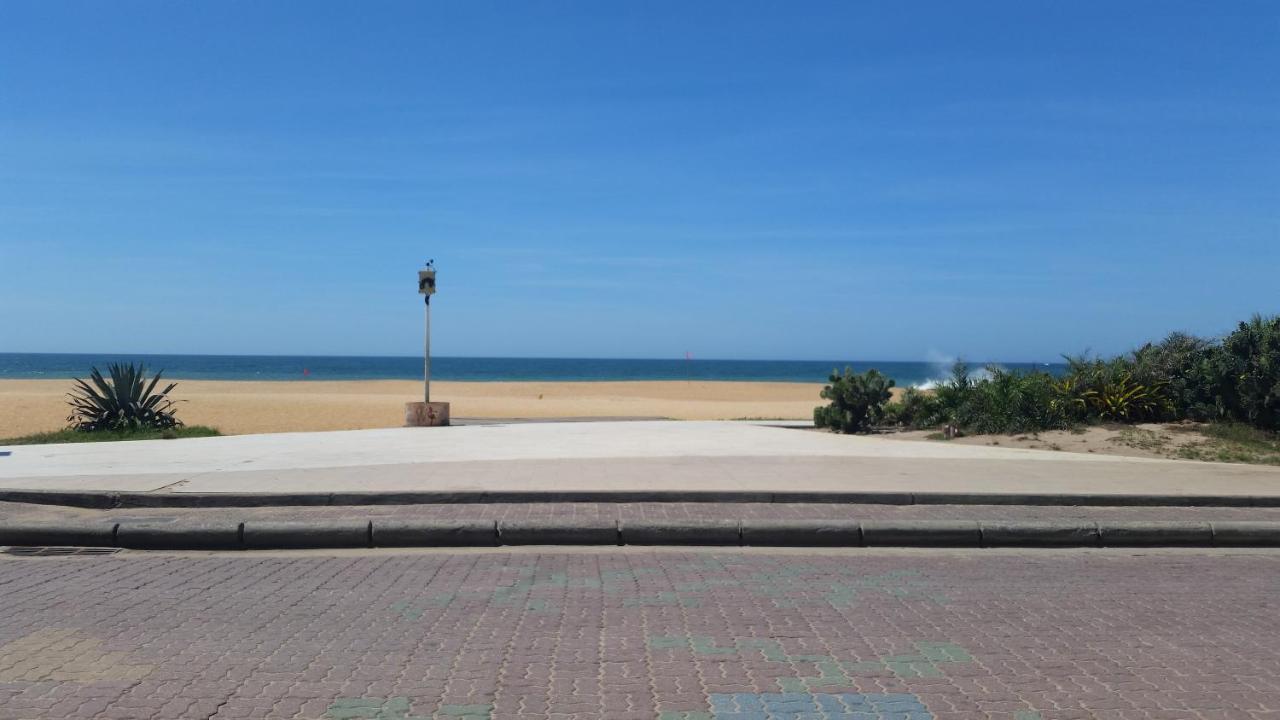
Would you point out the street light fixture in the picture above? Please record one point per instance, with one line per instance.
(426, 413)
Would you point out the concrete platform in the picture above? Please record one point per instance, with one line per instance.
(604, 456)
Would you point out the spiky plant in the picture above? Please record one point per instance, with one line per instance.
(124, 402)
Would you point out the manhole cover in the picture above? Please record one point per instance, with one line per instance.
(37, 551)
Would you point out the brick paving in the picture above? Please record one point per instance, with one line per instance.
(639, 511)
(626, 633)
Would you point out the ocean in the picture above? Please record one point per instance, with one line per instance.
(475, 369)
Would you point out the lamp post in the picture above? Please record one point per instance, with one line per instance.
(427, 287)
(426, 413)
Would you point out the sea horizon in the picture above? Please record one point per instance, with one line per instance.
(320, 368)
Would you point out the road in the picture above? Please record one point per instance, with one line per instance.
(655, 634)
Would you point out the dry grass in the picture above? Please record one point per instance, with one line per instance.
(1215, 442)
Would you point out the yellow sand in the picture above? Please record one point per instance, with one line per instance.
(29, 406)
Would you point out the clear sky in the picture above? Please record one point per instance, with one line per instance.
(844, 180)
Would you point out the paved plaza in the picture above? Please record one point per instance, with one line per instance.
(604, 456)
(659, 635)
(629, 632)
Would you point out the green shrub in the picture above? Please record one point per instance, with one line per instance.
(1010, 402)
(1182, 365)
(915, 409)
(953, 394)
(1120, 399)
(1106, 390)
(126, 402)
(1181, 377)
(857, 401)
(1247, 369)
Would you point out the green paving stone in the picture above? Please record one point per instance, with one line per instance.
(830, 672)
(944, 652)
(407, 611)
(667, 642)
(705, 585)
(395, 708)
(910, 667)
(791, 685)
(707, 646)
(465, 712)
(664, 598)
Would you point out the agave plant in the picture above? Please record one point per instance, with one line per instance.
(1121, 399)
(124, 402)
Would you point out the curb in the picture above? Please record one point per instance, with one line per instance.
(1040, 534)
(680, 532)
(211, 536)
(558, 532)
(922, 533)
(334, 534)
(327, 534)
(802, 533)
(107, 500)
(1155, 534)
(434, 533)
(68, 534)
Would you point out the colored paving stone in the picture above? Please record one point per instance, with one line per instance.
(927, 661)
(629, 633)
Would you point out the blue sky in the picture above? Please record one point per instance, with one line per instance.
(844, 180)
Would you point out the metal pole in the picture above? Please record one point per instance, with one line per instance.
(426, 354)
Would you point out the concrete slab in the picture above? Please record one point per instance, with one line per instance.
(658, 455)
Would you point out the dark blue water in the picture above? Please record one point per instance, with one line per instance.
(262, 367)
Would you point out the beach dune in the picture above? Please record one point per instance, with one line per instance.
(236, 407)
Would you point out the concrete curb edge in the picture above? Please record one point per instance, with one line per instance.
(105, 499)
(334, 534)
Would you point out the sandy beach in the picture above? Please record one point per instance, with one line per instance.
(236, 407)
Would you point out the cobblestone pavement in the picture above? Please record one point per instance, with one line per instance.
(660, 635)
(639, 511)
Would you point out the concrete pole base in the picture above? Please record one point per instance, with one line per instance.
(422, 414)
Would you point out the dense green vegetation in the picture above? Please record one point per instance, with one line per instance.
(125, 402)
(857, 401)
(1232, 380)
(80, 436)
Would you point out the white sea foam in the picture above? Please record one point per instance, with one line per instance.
(942, 371)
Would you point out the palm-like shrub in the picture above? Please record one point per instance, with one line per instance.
(124, 402)
(1248, 370)
(857, 401)
(1181, 377)
(1182, 365)
(1120, 399)
(1007, 402)
(1107, 389)
(915, 409)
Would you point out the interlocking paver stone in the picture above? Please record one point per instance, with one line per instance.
(631, 633)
